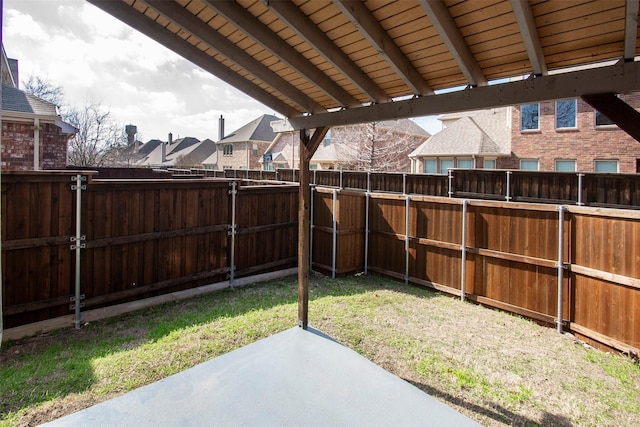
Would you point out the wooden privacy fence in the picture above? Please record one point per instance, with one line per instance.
(124, 240)
(134, 239)
(573, 266)
(581, 189)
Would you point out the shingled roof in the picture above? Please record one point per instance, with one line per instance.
(256, 130)
(481, 132)
(21, 102)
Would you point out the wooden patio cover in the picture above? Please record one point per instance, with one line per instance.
(323, 63)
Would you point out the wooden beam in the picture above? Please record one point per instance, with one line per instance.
(630, 29)
(193, 25)
(371, 29)
(529, 33)
(308, 146)
(155, 31)
(621, 113)
(254, 28)
(449, 32)
(314, 37)
(619, 78)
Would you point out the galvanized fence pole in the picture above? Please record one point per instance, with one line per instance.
(78, 243)
(463, 250)
(334, 243)
(450, 183)
(341, 179)
(508, 189)
(404, 183)
(311, 229)
(232, 233)
(368, 182)
(560, 265)
(580, 177)
(367, 196)
(406, 239)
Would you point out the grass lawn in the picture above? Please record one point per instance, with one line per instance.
(496, 368)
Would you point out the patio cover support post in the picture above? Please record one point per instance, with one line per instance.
(308, 146)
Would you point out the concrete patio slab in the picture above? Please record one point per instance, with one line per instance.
(294, 378)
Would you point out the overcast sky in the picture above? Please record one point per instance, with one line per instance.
(97, 59)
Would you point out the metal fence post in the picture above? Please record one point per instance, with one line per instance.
(560, 265)
(406, 240)
(580, 177)
(78, 243)
(450, 183)
(508, 189)
(341, 179)
(463, 250)
(334, 243)
(368, 182)
(404, 183)
(232, 233)
(366, 232)
(311, 230)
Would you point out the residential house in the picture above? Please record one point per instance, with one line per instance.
(565, 135)
(162, 155)
(244, 147)
(468, 140)
(376, 146)
(34, 137)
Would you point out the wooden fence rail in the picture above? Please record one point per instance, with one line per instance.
(577, 267)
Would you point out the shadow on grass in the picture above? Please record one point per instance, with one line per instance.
(54, 365)
(495, 412)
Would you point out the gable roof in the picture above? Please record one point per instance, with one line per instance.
(256, 130)
(484, 132)
(200, 153)
(21, 102)
(149, 146)
(180, 148)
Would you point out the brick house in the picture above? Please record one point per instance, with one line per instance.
(244, 147)
(565, 135)
(570, 135)
(34, 137)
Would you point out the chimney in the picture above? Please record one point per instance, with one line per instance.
(170, 138)
(163, 148)
(220, 128)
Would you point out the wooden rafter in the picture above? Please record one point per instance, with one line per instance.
(315, 38)
(529, 32)
(217, 42)
(440, 18)
(180, 46)
(371, 29)
(630, 29)
(263, 35)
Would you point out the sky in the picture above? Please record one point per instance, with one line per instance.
(96, 59)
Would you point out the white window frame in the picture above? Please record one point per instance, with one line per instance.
(522, 128)
(530, 160)
(606, 161)
(575, 114)
(565, 161)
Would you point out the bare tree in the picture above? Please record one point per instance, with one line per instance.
(375, 146)
(44, 89)
(100, 141)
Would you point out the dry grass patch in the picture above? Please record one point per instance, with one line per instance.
(496, 368)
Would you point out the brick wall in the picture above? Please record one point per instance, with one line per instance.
(584, 144)
(242, 155)
(17, 146)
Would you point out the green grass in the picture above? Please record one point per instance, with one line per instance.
(496, 368)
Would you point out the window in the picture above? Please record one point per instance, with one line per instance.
(566, 114)
(268, 166)
(227, 150)
(445, 165)
(313, 166)
(529, 115)
(430, 166)
(465, 163)
(610, 166)
(529, 164)
(327, 138)
(255, 149)
(602, 120)
(565, 165)
(489, 163)
(225, 167)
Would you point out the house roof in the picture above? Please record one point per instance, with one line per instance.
(334, 152)
(482, 132)
(404, 125)
(21, 102)
(180, 148)
(200, 153)
(149, 146)
(256, 130)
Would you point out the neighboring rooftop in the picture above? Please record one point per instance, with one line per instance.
(256, 130)
(21, 102)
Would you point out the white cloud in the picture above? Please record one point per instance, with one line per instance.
(97, 59)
